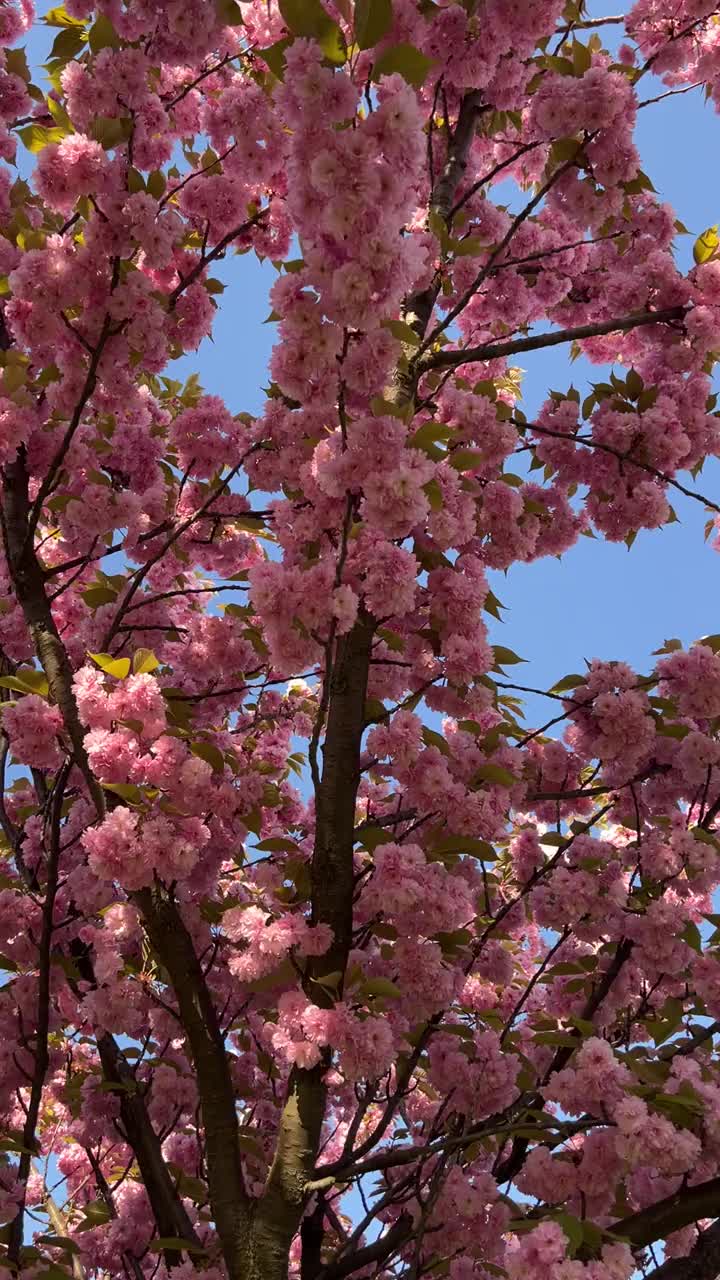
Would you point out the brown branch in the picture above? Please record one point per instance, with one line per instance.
(208, 71)
(377, 1252)
(170, 1216)
(515, 346)
(206, 258)
(418, 307)
(141, 574)
(420, 364)
(583, 24)
(41, 1050)
(29, 585)
(527, 992)
(702, 1262)
(28, 582)
(509, 1168)
(492, 173)
(671, 93)
(698, 1036)
(679, 1210)
(174, 947)
(195, 173)
(589, 443)
(88, 388)
(333, 884)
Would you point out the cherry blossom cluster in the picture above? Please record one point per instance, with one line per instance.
(293, 897)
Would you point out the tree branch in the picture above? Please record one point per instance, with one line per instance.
(206, 258)
(515, 346)
(702, 1263)
(173, 944)
(589, 443)
(671, 1214)
(333, 885)
(42, 1026)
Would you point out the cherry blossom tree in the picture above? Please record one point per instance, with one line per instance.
(319, 958)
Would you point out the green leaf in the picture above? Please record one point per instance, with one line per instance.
(60, 1242)
(144, 661)
(117, 667)
(17, 64)
(573, 1228)
(562, 150)
(308, 18)
(433, 493)
(304, 17)
(466, 459)
(278, 844)
(127, 791)
(375, 710)
(495, 773)
(505, 657)
(691, 934)
(102, 35)
(96, 596)
(212, 755)
(403, 332)
(470, 247)
(371, 837)
(432, 738)
(572, 681)
(135, 181)
(406, 60)
(562, 1038)
(582, 58)
(174, 1244)
(393, 641)
(274, 56)
(330, 980)
(229, 13)
(429, 436)
(156, 184)
(563, 66)
(68, 43)
(96, 1214)
(110, 131)
(373, 20)
(380, 987)
(35, 136)
(706, 245)
(27, 680)
(466, 844)
(57, 17)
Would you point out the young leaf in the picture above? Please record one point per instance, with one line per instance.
(144, 661)
(117, 667)
(380, 987)
(706, 245)
(405, 59)
(373, 19)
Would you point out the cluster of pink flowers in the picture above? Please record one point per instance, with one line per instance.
(524, 917)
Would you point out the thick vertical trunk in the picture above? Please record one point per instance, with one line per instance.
(279, 1212)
